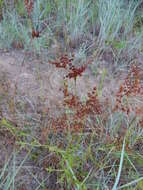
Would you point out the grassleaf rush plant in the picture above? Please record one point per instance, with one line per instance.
(65, 127)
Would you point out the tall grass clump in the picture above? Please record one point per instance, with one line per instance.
(115, 18)
(9, 29)
(73, 17)
(10, 171)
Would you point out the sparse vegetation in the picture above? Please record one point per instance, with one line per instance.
(71, 95)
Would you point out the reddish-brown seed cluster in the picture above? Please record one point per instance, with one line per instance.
(67, 63)
(92, 104)
(80, 111)
(75, 72)
(35, 34)
(60, 124)
(130, 88)
(63, 61)
(29, 6)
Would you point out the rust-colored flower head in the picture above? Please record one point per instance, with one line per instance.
(131, 87)
(35, 34)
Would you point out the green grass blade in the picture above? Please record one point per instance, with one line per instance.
(120, 167)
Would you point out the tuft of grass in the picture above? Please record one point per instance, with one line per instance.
(115, 19)
(10, 171)
(120, 167)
